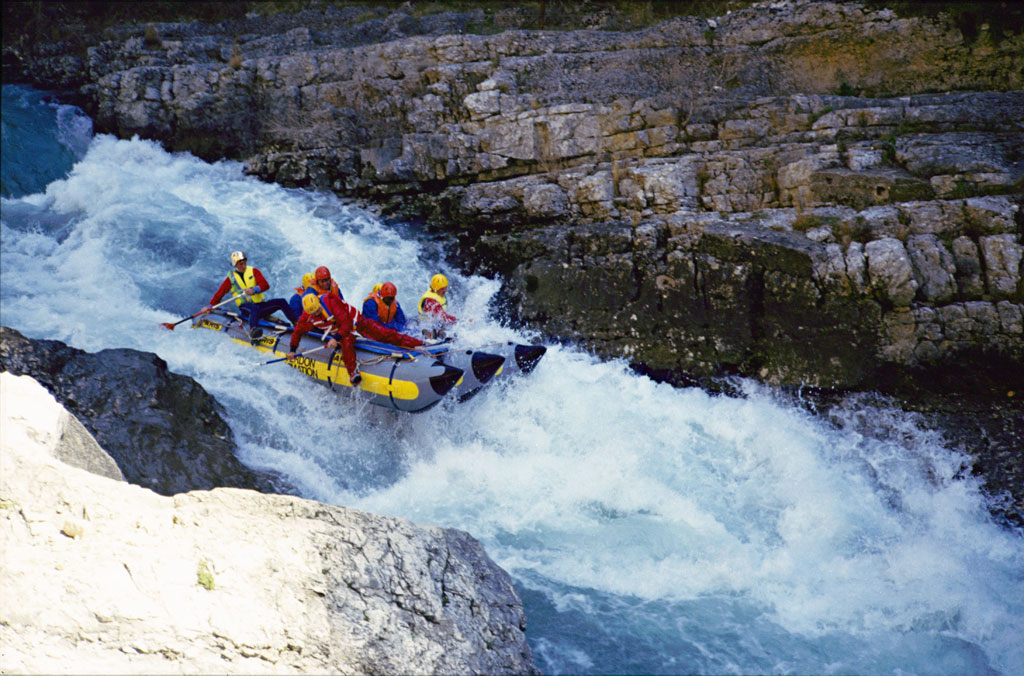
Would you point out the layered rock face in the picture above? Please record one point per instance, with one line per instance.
(100, 576)
(769, 193)
(823, 240)
(855, 299)
(162, 429)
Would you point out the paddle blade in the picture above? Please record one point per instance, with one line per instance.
(167, 325)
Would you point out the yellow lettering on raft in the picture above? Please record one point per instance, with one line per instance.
(259, 345)
(207, 324)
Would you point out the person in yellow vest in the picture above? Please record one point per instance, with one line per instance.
(308, 288)
(382, 306)
(432, 306)
(249, 284)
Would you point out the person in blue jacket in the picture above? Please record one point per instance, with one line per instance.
(308, 287)
(382, 306)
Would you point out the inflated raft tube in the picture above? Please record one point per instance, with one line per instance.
(525, 357)
(487, 365)
(394, 378)
(478, 369)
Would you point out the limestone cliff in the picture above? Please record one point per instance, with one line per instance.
(100, 576)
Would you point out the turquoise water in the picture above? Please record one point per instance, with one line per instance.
(40, 140)
(648, 529)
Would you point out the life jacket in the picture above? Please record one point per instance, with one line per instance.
(323, 321)
(385, 312)
(441, 300)
(248, 279)
(353, 313)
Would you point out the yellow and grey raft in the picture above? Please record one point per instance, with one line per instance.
(393, 377)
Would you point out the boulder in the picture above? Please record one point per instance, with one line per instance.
(113, 578)
(162, 429)
(1003, 255)
(28, 408)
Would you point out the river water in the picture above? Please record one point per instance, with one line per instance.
(648, 529)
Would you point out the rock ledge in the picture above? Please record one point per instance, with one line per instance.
(114, 578)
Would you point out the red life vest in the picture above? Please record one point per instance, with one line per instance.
(322, 321)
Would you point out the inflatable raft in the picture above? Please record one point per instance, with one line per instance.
(486, 364)
(393, 377)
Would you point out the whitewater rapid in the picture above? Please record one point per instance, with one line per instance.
(648, 529)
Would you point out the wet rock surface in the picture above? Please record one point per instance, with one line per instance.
(162, 429)
(707, 294)
(991, 431)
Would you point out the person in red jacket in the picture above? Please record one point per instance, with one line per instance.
(338, 319)
(249, 284)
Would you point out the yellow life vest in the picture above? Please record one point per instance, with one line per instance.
(441, 300)
(245, 281)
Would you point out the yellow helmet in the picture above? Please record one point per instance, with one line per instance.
(237, 256)
(308, 280)
(438, 281)
(311, 304)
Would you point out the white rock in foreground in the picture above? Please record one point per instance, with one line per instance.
(100, 576)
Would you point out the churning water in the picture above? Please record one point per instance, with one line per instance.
(648, 529)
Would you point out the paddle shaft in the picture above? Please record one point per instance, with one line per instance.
(170, 326)
(299, 354)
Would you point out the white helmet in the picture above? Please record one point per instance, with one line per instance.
(237, 256)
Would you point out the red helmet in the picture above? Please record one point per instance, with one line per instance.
(387, 290)
(322, 273)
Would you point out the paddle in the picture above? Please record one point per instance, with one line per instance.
(297, 354)
(170, 327)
